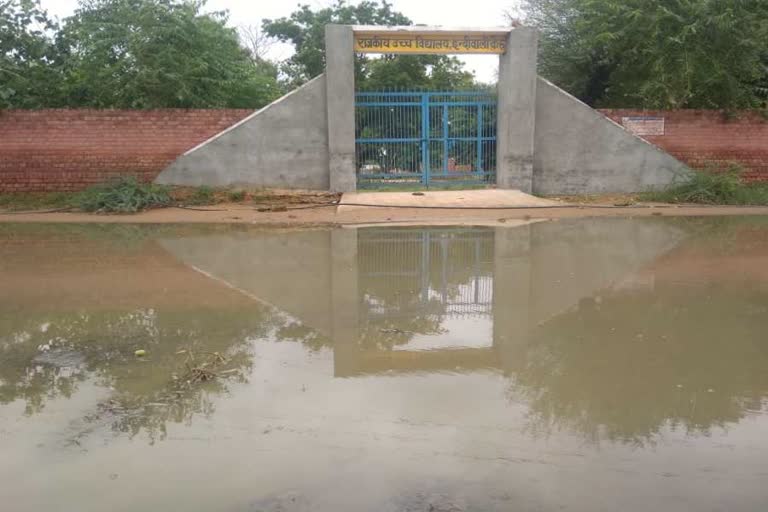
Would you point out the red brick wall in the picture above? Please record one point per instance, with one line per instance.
(52, 150)
(703, 137)
(56, 150)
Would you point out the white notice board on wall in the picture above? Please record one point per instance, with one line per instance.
(644, 125)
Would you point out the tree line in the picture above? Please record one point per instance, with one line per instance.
(663, 54)
(127, 54)
(175, 54)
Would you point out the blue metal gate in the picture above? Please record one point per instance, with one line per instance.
(430, 139)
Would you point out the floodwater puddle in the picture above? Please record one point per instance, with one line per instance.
(582, 364)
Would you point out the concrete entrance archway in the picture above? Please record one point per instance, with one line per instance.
(516, 95)
(548, 142)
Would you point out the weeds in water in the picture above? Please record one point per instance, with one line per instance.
(201, 367)
(125, 194)
(713, 187)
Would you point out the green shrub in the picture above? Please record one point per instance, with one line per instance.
(712, 187)
(236, 196)
(122, 195)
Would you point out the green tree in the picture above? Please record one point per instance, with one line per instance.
(435, 72)
(304, 29)
(28, 56)
(159, 53)
(655, 53)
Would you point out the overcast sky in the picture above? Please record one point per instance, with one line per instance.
(450, 13)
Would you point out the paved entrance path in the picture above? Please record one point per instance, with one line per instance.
(461, 198)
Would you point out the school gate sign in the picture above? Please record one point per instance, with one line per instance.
(545, 141)
(428, 42)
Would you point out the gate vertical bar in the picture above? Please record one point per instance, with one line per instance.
(444, 268)
(426, 243)
(445, 139)
(475, 265)
(425, 139)
(479, 162)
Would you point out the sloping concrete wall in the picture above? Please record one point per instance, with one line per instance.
(283, 145)
(268, 267)
(580, 151)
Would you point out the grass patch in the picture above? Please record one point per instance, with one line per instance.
(198, 196)
(201, 196)
(713, 187)
(23, 201)
(122, 195)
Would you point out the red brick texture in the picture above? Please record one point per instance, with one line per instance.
(708, 137)
(61, 150)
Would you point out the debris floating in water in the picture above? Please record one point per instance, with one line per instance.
(140, 353)
(395, 331)
(202, 371)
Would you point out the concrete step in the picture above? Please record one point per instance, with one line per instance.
(494, 198)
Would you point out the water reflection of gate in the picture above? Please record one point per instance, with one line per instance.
(426, 273)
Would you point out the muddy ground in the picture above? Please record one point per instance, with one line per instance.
(293, 208)
(318, 214)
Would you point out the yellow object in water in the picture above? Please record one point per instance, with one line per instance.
(140, 353)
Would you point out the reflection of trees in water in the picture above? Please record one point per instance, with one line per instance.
(45, 357)
(173, 402)
(410, 278)
(293, 330)
(48, 355)
(37, 383)
(630, 366)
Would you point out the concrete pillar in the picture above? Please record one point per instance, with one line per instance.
(345, 302)
(340, 102)
(516, 111)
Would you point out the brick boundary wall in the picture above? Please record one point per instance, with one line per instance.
(710, 137)
(64, 150)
